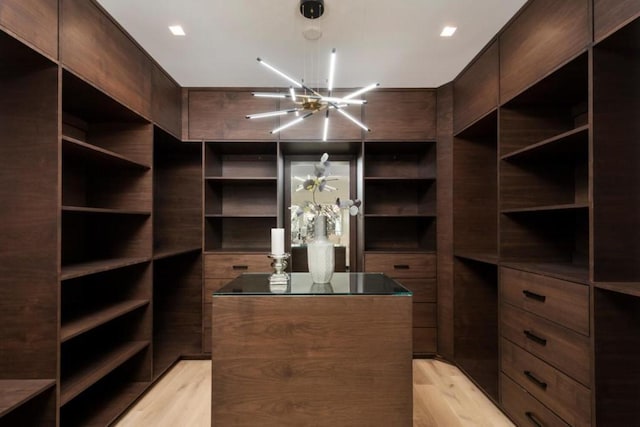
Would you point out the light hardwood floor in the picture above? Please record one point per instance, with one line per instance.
(442, 396)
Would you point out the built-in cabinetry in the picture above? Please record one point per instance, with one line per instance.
(29, 217)
(400, 226)
(106, 248)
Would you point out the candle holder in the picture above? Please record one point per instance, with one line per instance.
(279, 278)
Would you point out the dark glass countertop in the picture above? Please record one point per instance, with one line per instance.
(301, 284)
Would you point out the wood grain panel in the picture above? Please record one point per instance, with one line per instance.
(423, 290)
(29, 263)
(610, 15)
(616, 187)
(545, 35)
(617, 348)
(565, 396)
(95, 48)
(475, 91)
(272, 355)
(401, 265)
(558, 346)
(566, 303)
(444, 225)
(425, 341)
(166, 102)
(475, 184)
(476, 322)
(34, 21)
(523, 408)
(177, 309)
(424, 315)
(408, 115)
(340, 128)
(220, 115)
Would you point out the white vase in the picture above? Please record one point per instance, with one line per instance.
(320, 253)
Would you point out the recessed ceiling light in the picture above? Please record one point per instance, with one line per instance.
(176, 30)
(448, 31)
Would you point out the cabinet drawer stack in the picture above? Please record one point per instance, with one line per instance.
(417, 272)
(219, 269)
(545, 349)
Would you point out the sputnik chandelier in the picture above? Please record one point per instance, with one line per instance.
(310, 101)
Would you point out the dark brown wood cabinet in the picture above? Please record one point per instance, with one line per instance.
(612, 15)
(34, 21)
(29, 259)
(401, 115)
(217, 115)
(544, 35)
(94, 47)
(166, 102)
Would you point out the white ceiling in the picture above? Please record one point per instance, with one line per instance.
(393, 42)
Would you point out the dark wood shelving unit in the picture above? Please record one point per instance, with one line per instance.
(29, 193)
(106, 243)
(240, 195)
(92, 372)
(16, 393)
(173, 252)
(626, 288)
(399, 196)
(93, 319)
(563, 271)
(568, 206)
(487, 258)
(566, 143)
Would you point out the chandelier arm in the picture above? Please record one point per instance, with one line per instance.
(298, 120)
(361, 91)
(273, 113)
(354, 120)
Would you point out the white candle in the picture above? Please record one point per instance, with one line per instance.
(277, 241)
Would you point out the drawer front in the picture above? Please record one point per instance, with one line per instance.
(424, 290)
(425, 340)
(424, 315)
(524, 408)
(401, 265)
(563, 302)
(230, 265)
(558, 346)
(210, 286)
(559, 392)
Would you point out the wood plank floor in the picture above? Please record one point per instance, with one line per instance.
(442, 396)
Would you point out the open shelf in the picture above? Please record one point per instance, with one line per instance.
(238, 233)
(485, 257)
(90, 373)
(240, 160)
(476, 322)
(563, 207)
(81, 209)
(72, 271)
(93, 319)
(93, 154)
(398, 233)
(240, 179)
(16, 393)
(164, 253)
(626, 288)
(399, 160)
(564, 144)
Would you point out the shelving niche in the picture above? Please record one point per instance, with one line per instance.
(400, 196)
(544, 174)
(106, 251)
(240, 203)
(28, 261)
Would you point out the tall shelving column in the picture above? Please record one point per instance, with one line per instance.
(616, 222)
(475, 249)
(400, 226)
(29, 218)
(177, 248)
(106, 247)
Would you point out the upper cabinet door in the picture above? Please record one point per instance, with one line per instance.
(93, 47)
(216, 115)
(610, 15)
(401, 115)
(166, 105)
(475, 91)
(545, 35)
(35, 21)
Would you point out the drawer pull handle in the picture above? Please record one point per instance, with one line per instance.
(534, 420)
(533, 337)
(534, 296)
(401, 266)
(240, 267)
(534, 379)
